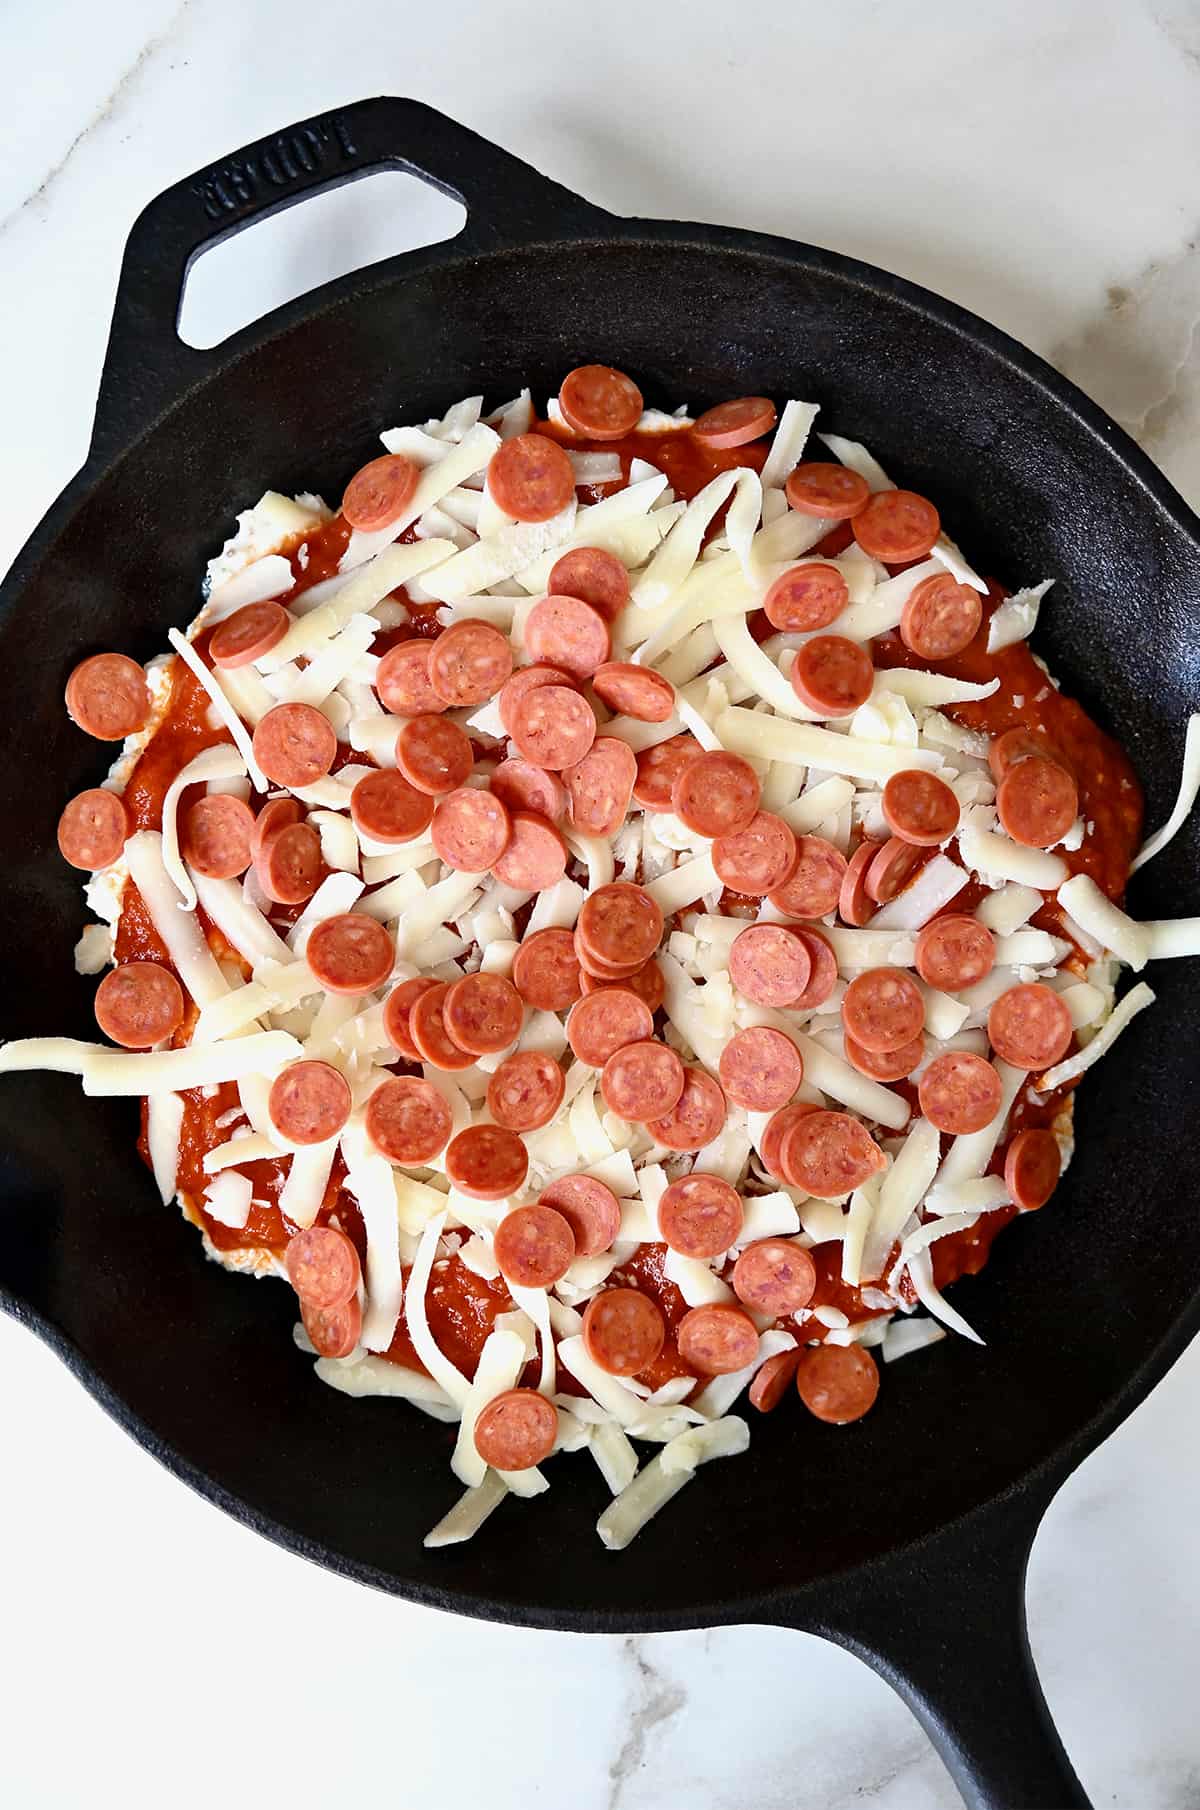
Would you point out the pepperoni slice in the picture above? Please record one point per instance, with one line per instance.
(522, 786)
(772, 1380)
(759, 858)
(855, 905)
(642, 1081)
(829, 1154)
(834, 491)
(920, 808)
(516, 1430)
(93, 828)
(483, 1013)
(940, 618)
(1030, 1027)
(591, 1209)
(769, 965)
(139, 1004)
(637, 691)
(716, 794)
(108, 698)
(760, 1069)
(647, 982)
(600, 786)
(531, 478)
(1004, 751)
(1032, 1164)
(884, 1065)
(396, 1008)
(526, 679)
(696, 1117)
(593, 575)
(427, 1030)
(408, 1121)
(546, 971)
(526, 1091)
(350, 953)
(623, 1331)
(814, 886)
(735, 423)
(774, 1276)
(434, 754)
(217, 836)
(294, 745)
(832, 675)
(553, 726)
(824, 974)
(837, 1383)
(602, 1023)
(535, 856)
(380, 492)
(469, 662)
(659, 767)
(620, 924)
(488, 1162)
(716, 1340)
(959, 1093)
(248, 634)
(955, 952)
(277, 814)
(322, 1266)
(700, 1215)
(403, 682)
(778, 1126)
(602, 403)
(1037, 801)
(892, 868)
(471, 830)
(806, 598)
(288, 867)
(387, 808)
(883, 1009)
(534, 1246)
(309, 1102)
(897, 526)
(608, 973)
(566, 632)
(333, 1331)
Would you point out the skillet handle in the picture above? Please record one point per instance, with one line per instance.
(147, 367)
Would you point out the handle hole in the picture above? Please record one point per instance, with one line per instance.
(336, 231)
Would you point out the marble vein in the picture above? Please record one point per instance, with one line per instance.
(655, 1700)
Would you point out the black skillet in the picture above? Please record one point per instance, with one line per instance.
(905, 1538)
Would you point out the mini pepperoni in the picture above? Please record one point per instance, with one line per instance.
(700, 1215)
(516, 1430)
(772, 1380)
(139, 1004)
(434, 754)
(322, 1266)
(602, 1023)
(108, 698)
(759, 858)
(248, 634)
(823, 978)
(1004, 751)
(277, 814)
(350, 953)
(1037, 801)
(959, 1093)
(522, 786)
(642, 1081)
(531, 478)
(469, 662)
(600, 786)
(217, 836)
(289, 864)
(760, 1069)
(553, 726)
(813, 887)
(607, 973)
(396, 1008)
(620, 924)
(623, 1331)
(535, 856)
(526, 1091)
(884, 1065)
(1030, 1027)
(471, 830)
(546, 971)
(659, 767)
(427, 1030)
(591, 1209)
(483, 1013)
(387, 808)
(892, 868)
(696, 1117)
(514, 691)
(309, 1102)
(920, 808)
(647, 982)
(774, 1276)
(93, 829)
(829, 1154)
(489, 1162)
(955, 952)
(1032, 1164)
(380, 492)
(534, 1246)
(833, 491)
(566, 632)
(769, 965)
(717, 794)
(602, 403)
(408, 1121)
(735, 423)
(294, 745)
(832, 675)
(837, 1383)
(636, 691)
(403, 682)
(593, 575)
(715, 1340)
(883, 1009)
(855, 905)
(896, 526)
(806, 598)
(333, 1331)
(777, 1128)
(940, 618)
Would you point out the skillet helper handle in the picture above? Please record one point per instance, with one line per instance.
(148, 367)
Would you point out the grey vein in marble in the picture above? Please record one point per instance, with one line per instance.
(655, 1700)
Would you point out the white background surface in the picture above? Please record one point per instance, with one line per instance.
(1035, 162)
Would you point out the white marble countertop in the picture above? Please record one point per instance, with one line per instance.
(1037, 163)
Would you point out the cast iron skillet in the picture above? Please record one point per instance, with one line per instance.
(904, 1538)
